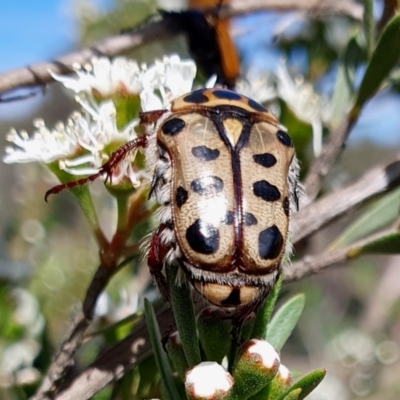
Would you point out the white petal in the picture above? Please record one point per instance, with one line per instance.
(76, 85)
(150, 101)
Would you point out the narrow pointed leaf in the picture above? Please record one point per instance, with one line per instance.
(384, 58)
(389, 244)
(264, 313)
(341, 96)
(82, 193)
(214, 335)
(343, 92)
(369, 30)
(177, 355)
(378, 215)
(284, 321)
(294, 395)
(307, 384)
(168, 387)
(182, 308)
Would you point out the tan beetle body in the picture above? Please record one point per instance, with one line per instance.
(226, 175)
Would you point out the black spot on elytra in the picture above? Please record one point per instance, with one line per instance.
(249, 219)
(270, 243)
(286, 206)
(204, 153)
(233, 299)
(256, 106)
(197, 97)
(229, 218)
(284, 138)
(226, 94)
(181, 196)
(207, 185)
(266, 191)
(202, 237)
(173, 126)
(267, 160)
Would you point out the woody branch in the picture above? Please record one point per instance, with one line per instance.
(39, 74)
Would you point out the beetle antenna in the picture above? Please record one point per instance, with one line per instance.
(107, 169)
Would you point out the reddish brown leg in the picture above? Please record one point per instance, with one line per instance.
(107, 169)
(155, 260)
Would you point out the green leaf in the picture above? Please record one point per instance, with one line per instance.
(127, 108)
(369, 30)
(82, 193)
(117, 330)
(176, 355)
(343, 93)
(284, 321)
(264, 313)
(214, 334)
(384, 58)
(147, 381)
(307, 384)
(168, 387)
(294, 395)
(389, 244)
(378, 215)
(182, 308)
(341, 96)
(301, 132)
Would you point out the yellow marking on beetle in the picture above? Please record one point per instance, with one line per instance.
(233, 128)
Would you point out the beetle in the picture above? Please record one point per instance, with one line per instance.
(224, 172)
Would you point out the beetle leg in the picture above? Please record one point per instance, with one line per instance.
(107, 169)
(150, 117)
(156, 258)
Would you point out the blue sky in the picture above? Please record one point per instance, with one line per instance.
(33, 31)
(30, 32)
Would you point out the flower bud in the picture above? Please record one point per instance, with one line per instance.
(208, 381)
(280, 383)
(256, 367)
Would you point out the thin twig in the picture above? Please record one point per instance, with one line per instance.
(38, 74)
(318, 8)
(314, 264)
(368, 186)
(321, 166)
(115, 362)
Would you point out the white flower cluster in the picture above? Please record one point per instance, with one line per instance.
(79, 145)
